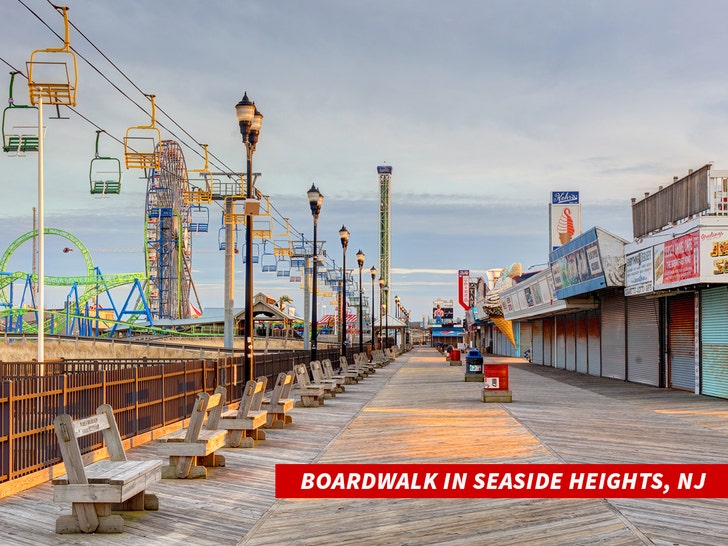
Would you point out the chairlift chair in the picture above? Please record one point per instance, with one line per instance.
(104, 173)
(221, 240)
(49, 79)
(283, 266)
(255, 254)
(198, 188)
(267, 259)
(199, 219)
(19, 125)
(142, 148)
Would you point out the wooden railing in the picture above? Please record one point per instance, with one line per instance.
(146, 395)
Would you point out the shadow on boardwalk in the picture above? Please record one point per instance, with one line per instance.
(419, 410)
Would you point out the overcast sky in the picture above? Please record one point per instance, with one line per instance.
(482, 108)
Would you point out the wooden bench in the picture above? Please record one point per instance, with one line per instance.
(280, 403)
(350, 371)
(192, 449)
(330, 386)
(242, 425)
(379, 358)
(350, 376)
(311, 395)
(361, 363)
(341, 378)
(96, 490)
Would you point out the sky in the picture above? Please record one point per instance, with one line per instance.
(482, 108)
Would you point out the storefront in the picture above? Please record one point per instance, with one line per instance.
(543, 321)
(676, 309)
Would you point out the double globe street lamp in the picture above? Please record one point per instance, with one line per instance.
(360, 262)
(373, 272)
(250, 121)
(344, 237)
(315, 199)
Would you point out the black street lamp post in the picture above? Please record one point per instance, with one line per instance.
(250, 121)
(344, 237)
(360, 262)
(373, 272)
(315, 199)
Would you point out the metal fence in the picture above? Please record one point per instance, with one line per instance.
(145, 394)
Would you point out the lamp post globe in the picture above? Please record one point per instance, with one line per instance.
(315, 199)
(360, 262)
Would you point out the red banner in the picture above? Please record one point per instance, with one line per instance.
(464, 288)
(501, 481)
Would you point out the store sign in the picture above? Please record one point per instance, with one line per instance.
(714, 255)
(677, 262)
(579, 267)
(564, 218)
(639, 273)
(564, 197)
(464, 288)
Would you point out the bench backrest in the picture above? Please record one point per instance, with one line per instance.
(317, 372)
(288, 385)
(328, 368)
(204, 404)
(302, 375)
(69, 431)
(260, 392)
(277, 393)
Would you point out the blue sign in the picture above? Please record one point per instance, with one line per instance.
(564, 197)
(384, 169)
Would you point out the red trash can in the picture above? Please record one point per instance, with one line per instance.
(455, 354)
(496, 377)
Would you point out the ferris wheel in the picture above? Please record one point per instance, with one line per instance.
(168, 247)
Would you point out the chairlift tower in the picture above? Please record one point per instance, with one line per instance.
(385, 233)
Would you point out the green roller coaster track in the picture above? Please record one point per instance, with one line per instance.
(94, 283)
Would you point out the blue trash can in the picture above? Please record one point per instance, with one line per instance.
(474, 362)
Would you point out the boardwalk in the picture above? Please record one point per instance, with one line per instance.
(419, 410)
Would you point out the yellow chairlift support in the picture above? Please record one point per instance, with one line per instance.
(199, 188)
(49, 79)
(19, 125)
(104, 173)
(142, 148)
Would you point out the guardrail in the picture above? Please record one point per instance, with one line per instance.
(146, 394)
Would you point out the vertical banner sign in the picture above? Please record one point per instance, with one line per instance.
(464, 288)
(564, 218)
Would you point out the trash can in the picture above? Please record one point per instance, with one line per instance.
(495, 385)
(474, 362)
(455, 354)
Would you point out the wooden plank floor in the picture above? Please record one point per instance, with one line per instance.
(419, 410)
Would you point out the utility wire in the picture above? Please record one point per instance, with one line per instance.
(123, 93)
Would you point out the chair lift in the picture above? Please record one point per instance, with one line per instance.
(199, 219)
(104, 173)
(255, 254)
(49, 79)
(198, 189)
(263, 223)
(282, 246)
(283, 266)
(221, 234)
(20, 125)
(267, 259)
(142, 148)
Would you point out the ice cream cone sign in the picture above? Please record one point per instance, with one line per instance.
(565, 227)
